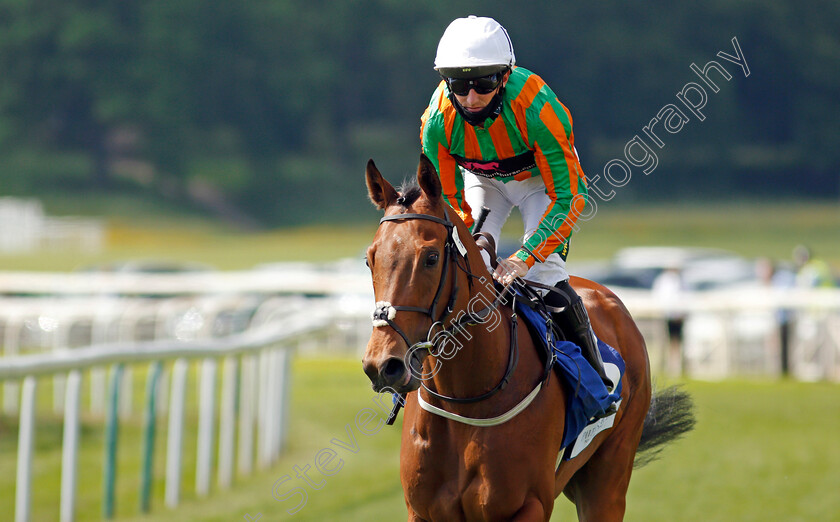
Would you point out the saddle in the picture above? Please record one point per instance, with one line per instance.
(586, 395)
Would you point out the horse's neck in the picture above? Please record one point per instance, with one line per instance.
(475, 357)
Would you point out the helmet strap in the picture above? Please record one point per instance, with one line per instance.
(493, 109)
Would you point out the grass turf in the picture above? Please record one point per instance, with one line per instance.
(762, 450)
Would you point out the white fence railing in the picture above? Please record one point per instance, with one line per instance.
(750, 331)
(255, 368)
(725, 332)
(74, 328)
(59, 324)
(24, 227)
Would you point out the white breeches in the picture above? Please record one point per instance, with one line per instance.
(529, 195)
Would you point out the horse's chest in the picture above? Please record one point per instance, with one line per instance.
(446, 481)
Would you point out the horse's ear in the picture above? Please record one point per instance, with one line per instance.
(381, 193)
(428, 179)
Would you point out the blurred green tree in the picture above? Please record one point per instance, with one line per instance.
(258, 102)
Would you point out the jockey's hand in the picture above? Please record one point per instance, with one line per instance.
(509, 269)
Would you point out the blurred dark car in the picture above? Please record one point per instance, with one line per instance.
(701, 268)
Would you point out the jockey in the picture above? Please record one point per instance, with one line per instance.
(500, 138)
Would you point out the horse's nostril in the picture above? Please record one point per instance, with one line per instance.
(370, 370)
(393, 371)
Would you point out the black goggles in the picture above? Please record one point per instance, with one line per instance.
(483, 85)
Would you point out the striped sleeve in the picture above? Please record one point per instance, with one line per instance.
(435, 136)
(550, 130)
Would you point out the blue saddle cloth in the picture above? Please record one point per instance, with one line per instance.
(586, 394)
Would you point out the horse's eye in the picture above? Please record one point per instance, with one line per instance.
(432, 258)
(367, 263)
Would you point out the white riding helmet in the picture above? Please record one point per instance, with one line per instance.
(473, 47)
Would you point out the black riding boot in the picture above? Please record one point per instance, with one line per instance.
(574, 319)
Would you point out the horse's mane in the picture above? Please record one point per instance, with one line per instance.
(410, 192)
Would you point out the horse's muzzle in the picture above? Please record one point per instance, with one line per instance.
(390, 374)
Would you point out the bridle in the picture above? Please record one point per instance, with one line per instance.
(382, 312)
(385, 312)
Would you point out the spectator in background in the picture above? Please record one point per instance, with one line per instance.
(812, 333)
(811, 272)
(668, 288)
(771, 276)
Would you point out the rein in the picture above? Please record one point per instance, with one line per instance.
(518, 408)
(385, 313)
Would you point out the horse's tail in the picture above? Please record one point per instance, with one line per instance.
(671, 415)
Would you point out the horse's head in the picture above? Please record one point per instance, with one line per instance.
(413, 262)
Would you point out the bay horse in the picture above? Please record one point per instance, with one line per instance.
(428, 273)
